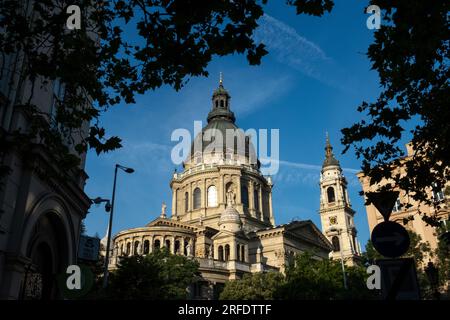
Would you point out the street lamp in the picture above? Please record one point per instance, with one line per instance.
(99, 200)
(339, 232)
(108, 244)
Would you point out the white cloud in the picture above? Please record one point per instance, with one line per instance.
(288, 47)
(307, 174)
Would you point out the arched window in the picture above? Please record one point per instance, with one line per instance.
(212, 196)
(221, 103)
(186, 202)
(217, 103)
(168, 245)
(128, 249)
(157, 244)
(121, 249)
(136, 247)
(243, 253)
(146, 247)
(227, 252)
(330, 194)
(177, 246)
(336, 244)
(220, 253)
(244, 196)
(256, 197)
(238, 252)
(197, 198)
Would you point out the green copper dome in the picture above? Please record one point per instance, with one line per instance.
(220, 119)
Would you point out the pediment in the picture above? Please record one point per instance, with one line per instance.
(225, 234)
(308, 230)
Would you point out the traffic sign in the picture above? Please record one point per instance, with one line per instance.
(384, 201)
(390, 239)
(89, 248)
(398, 279)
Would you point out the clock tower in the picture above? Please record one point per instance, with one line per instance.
(336, 213)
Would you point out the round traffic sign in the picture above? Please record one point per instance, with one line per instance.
(390, 239)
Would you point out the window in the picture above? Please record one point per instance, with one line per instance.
(242, 253)
(168, 245)
(212, 196)
(220, 253)
(186, 202)
(330, 194)
(136, 247)
(197, 198)
(397, 206)
(256, 197)
(128, 249)
(157, 244)
(238, 252)
(336, 244)
(146, 247)
(227, 252)
(244, 196)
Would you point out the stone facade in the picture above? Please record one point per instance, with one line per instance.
(400, 212)
(40, 216)
(222, 213)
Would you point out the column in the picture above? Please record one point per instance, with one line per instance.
(204, 200)
(238, 191)
(272, 220)
(150, 247)
(233, 250)
(260, 203)
(172, 245)
(220, 189)
(174, 202)
(251, 198)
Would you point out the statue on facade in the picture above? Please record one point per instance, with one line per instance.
(189, 250)
(231, 197)
(163, 210)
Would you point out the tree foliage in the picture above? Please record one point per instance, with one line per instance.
(256, 286)
(312, 279)
(306, 278)
(410, 53)
(123, 49)
(158, 275)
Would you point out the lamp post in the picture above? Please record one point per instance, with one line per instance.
(339, 232)
(108, 244)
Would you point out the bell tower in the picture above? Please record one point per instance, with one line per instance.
(336, 213)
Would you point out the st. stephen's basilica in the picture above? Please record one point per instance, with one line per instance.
(222, 214)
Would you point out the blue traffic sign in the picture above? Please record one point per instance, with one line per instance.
(390, 239)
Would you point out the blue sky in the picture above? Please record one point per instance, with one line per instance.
(312, 80)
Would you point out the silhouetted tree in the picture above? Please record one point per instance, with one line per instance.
(101, 65)
(410, 53)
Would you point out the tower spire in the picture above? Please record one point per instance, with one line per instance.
(330, 160)
(220, 79)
